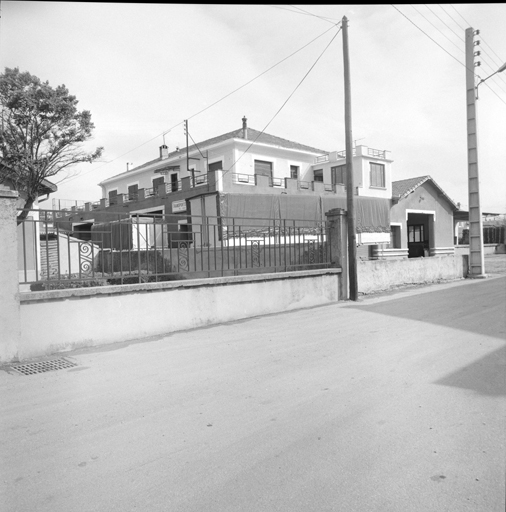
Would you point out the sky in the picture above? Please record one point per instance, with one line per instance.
(142, 69)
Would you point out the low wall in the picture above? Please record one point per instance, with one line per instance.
(487, 249)
(378, 275)
(60, 320)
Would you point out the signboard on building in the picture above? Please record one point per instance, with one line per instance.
(167, 170)
(178, 206)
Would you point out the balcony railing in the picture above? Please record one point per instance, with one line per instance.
(243, 178)
(377, 153)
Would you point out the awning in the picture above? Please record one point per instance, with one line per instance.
(372, 213)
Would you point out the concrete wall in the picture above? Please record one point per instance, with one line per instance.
(61, 320)
(487, 249)
(9, 287)
(377, 275)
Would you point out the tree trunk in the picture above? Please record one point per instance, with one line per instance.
(26, 210)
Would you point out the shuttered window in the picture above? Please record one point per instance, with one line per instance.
(377, 175)
(157, 182)
(338, 174)
(113, 197)
(318, 175)
(133, 192)
(263, 168)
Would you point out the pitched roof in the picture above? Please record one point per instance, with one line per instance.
(402, 188)
(253, 136)
(45, 187)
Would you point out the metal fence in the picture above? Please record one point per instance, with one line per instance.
(491, 235)
(58, 250)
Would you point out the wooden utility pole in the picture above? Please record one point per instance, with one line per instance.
(476, 255)
(350, 188)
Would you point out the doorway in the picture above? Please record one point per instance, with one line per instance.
(420, 232)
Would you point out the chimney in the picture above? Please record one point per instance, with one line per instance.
(244, 128)
(164, 152)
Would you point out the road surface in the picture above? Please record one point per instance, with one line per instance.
(394, 403)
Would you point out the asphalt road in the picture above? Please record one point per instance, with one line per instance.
(394, 403)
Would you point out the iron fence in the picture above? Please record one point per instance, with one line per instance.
(58, 251)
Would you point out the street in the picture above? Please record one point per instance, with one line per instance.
(393, 403)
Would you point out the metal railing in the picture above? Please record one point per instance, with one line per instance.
(243, 178)
(122, 249)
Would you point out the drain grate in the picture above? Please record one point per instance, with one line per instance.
(43, 366)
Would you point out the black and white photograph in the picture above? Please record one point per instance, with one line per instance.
(252, 257)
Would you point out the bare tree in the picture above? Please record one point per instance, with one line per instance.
(41, 133)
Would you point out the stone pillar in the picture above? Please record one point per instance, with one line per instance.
(337, 244)
(10, 320)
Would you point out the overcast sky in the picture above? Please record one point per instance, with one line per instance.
(141, 69)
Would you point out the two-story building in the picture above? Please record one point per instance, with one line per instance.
(246, 173)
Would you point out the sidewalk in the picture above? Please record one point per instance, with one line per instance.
(393, 403)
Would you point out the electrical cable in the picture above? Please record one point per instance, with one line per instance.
(433, 40)
(447, 26)
(421, 14)
(284, 103)
(474, 72)
(324, 18)
(451, 17)
(501, 62)
(67, 180)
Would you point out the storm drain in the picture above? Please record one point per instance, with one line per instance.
(43, 366)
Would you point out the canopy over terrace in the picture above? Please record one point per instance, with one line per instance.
(372, 214)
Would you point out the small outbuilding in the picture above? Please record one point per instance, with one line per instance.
(421, 219)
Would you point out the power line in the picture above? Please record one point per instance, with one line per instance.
(445, 49)
(452, 18)
(330, 20)
(453, 7)
(485, 42)
(206, 108)
(433, 40)
(488, 85)
(284, 103)
(421, 14)
(447, 26)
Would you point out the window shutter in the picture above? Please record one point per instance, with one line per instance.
(263, 168)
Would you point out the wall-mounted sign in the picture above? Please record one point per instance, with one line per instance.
(178, 206)
(167, 170)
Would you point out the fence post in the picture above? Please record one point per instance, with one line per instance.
(10, 320)
(337, 245)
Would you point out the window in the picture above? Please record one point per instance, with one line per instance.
(415, 233)
(263, 168)
(133, 192)
(216, 166)
(294, 172)
(338, 175)
(157, 182)
(395, 237)
(318, 175)
(113, 197)
(173, 182)
(377, 175)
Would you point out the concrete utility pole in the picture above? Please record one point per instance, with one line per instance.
(476, 256)
(350, 188)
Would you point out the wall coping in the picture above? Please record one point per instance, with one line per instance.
(74, 293)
